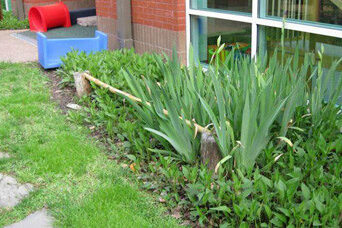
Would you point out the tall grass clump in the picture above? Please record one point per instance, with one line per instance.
(246, 104)
(179, 87)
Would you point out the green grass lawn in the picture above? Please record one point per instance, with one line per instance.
(71, 174)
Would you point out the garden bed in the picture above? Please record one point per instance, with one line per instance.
(280, 141)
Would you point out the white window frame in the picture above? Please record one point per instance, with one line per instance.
(254, 20)
(7, 5)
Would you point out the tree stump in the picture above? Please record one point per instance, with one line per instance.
(210, 152)
(82, 85)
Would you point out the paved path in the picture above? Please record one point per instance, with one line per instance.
(39, 219)
(13, 49)
(12, 192)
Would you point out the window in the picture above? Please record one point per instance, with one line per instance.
(270, 39)
(205, 32)
(255, 25)
(321, 11)
(232, 5)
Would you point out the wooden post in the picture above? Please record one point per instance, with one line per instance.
(82, 85)
(210, 153)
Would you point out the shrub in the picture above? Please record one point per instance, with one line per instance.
(107, 111)
(11, 22)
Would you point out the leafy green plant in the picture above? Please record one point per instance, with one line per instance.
(276, 123)
(11, 22)
(106, 111)
(257, 110)
(179, 88)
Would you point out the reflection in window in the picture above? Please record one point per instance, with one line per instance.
(232, 5)
(324, 11)
(205, 32)
(270, 39)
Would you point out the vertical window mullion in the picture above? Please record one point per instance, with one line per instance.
(254, 28)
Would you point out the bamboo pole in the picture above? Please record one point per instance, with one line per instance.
(138, 100)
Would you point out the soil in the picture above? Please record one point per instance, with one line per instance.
(62, 96)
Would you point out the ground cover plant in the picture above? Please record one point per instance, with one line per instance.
(11, 22)
(69, 170)
(107, 111)
(277, 126)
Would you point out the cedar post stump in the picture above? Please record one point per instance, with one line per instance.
(210, 152)
(82, 85)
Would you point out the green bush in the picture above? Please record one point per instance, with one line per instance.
(105, 110)
(11, 22)
(278, 135)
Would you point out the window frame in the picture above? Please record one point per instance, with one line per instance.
(256, 20)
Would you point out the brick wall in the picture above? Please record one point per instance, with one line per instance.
(106, 21)
(165, 14)
(72, 4)
(106, 8)
(159, 25)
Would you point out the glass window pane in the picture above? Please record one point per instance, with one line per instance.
(270, 39)
(205, 32)
(232, 5)
(322, 11)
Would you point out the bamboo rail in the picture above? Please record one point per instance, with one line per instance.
(138, 100)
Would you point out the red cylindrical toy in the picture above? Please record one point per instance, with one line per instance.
(42, 18)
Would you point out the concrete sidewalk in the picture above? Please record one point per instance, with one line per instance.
(16, 50)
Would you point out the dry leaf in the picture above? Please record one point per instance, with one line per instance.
(132, 167)
(124, 166)
(162, 200)
(176, 215)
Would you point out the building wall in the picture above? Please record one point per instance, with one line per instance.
(72, 4)
(158, 25)
(107, 21)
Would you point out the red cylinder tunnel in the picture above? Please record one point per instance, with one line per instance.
(41, 18)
